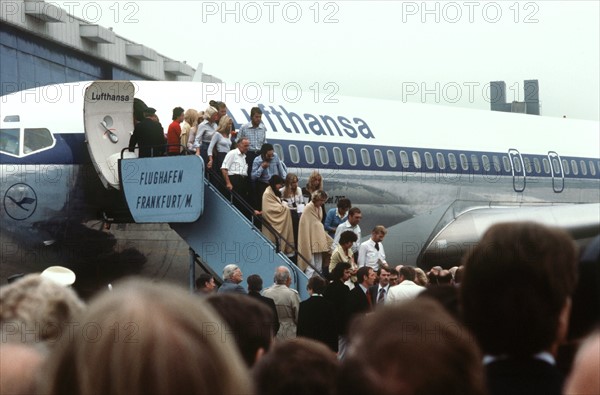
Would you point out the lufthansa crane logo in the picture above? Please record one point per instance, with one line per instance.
(20, 201)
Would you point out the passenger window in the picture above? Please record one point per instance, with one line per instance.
(546, 165)
(452, 161)
(506, 163)
(566, 168)
(485, 162)
(416, 159)
(352, 156)
(464, 163)
(592, 168)
(36, 140)
(309, 154)
(337, 156)
(475, 162)
(365, 157)
(323, 155)
(428, 160)
(517, 164)
(9, 141)
(441, 162)
(279, 151)
(527, 163)
(556, 166)
(583, 167)
(536, 165)
(378, 158)
(496, 161)
(294, 154)
(574, 167)
(392, 158)
(404, 159)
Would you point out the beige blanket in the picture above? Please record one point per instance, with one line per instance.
(312, 238)
(277, 214)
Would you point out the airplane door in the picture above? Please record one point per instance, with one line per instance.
(108, 121)
(517, 168)
(558, 174)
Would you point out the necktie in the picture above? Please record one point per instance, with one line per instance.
(369, 298)
(377, 245)
(381, 296)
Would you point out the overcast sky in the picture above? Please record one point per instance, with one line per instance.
(434, 52)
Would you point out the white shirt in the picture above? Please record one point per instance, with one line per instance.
(368, 255)
(235, 163)
(406, 290)
(345, 226)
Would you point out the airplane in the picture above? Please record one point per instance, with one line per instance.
(436, 177)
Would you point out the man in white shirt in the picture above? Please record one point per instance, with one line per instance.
(235, 169)
(354, 217)
(407, 289)
(371, 252)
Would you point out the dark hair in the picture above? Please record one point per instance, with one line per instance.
(216, 104)
(273, 181)
(348, 236)
(353, 210)
(266, 147)
(338, 270)
(408, 272)
(362, 273)
(344, 203)
(177, 111)
(297, 366)
(255, 110)
(255, 282)
(391, 354)
(384, 267)
(517, 281)
(202, 280)
(317, 284)
(250, 320)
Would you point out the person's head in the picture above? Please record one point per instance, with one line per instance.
(366, 276)
(221, 109)
(318, 198)
(205, 283)
(255, 116)
(190, 116)
(255, 283)
(315, 181)
(36, 309)
(243, 145)
(149, 112)
(233, 273)
(224, 126)
(199, 119)
(316, 285)
(291, 184)
(420, 277)
(282, 276)
(393, 277)
(276, 182)
(211, 114)
(178, 114)
(267, 152)
(378, 233)
(341, 271)
(20, 365)
(147, 338)
(250, 321)
(343, 206)
(407, 273)
(384, 276)
(518, 280)
(297, 366)
(347, 238)
(354, 216)
(411, 348)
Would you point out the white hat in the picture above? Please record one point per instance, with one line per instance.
(60, 275)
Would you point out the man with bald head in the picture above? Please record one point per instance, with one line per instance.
(287, 303)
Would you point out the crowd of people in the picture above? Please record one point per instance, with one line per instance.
(498, 324)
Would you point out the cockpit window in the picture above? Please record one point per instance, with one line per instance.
(33, 140)
(9, 141)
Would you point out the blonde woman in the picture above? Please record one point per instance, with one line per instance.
(205, 132)
(291, 194)
(189, 117)
(194, 129)
(313, 241)
(315, 183)
(222, 143)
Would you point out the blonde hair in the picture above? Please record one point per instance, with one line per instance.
(209, 112)
(190, 116)
(313, 176)
(147, 338)
(223, 126)
(287, 189)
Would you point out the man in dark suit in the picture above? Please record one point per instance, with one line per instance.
(380, 291)
(316, 317)
(516, 298)
(255, 285)
(359, 301)
(148, 135)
